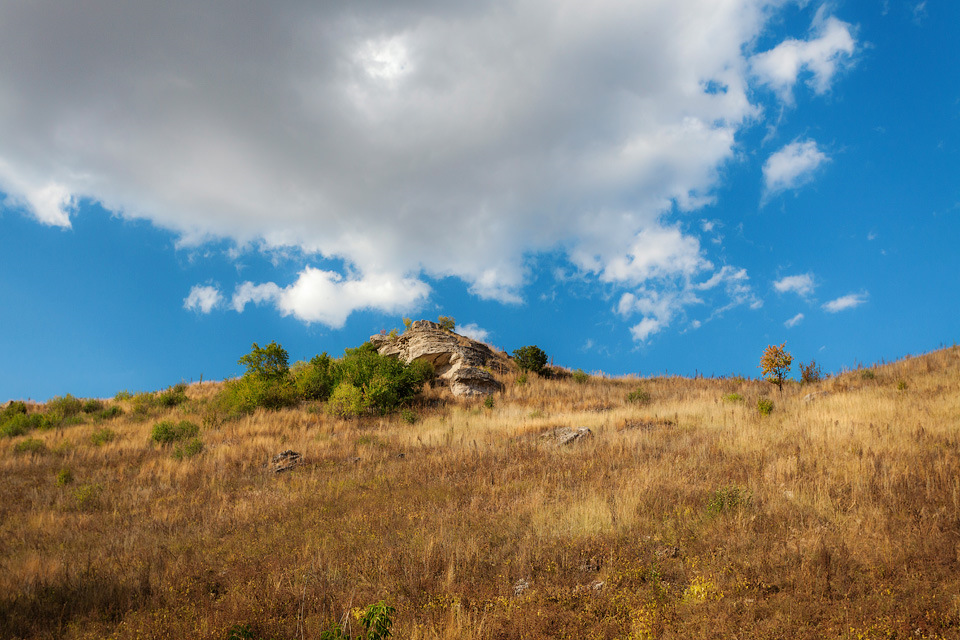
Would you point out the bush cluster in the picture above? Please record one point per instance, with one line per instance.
(169, 432)
(361, 381)
(530, 358)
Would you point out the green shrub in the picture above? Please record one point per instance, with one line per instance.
(346, 401)
(868, 374)
(64, 477)
(447, 323)
(244, 395)
(727, 499)
(314, 380)
(102, 436)
(168, 432)
(488, 402)
(408, 416)
(122, 395)
(30, 445)
(14, 408)
(87, 496)
(173, 396)
(580, 376)
(733, 397)
(188, 449)
(386, 383)
(638, 396)
(92, 405)
(522, 379)
(764, 406)
(20, 424)
(901, 385)
(143, 405)
(110, 413)
(530, 358)
(64, 406)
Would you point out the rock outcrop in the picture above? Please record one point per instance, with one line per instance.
(462, 363)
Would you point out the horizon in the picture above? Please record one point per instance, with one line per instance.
(668, 188)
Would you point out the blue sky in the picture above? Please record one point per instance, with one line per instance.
(654, 187)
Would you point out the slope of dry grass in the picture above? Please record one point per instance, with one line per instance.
(690, 516)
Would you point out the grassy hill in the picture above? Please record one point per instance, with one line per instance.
(687, 514)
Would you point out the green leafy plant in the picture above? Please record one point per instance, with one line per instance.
(488, 402)
(64, 406)
(346, 401)
(188, 449)
(408, 416)
(638, 396)
(407, 323)
(764, 406)
(102, 436)
(727, 499)
(64, 477)
(109, 413)
(30, 445)
(122, 395)
(522, 379)
(733, 397)
(530, 358)
(92, 405)
(377, 619)
(901, 385)
(20, 424)
(87, 496)
(868, 374)
(775, 364)
(173, 396)
(168, 432)
(580, 376)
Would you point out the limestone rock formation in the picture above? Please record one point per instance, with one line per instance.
(462, 363)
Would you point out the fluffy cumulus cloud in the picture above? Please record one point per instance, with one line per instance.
(328, 298)
(203, 298)
(792, 166)
(475, 331)
(848, 301)
(801, 284)
(828, 50)
(406, 141)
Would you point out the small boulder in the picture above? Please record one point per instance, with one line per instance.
(286, 461)
(568, 435)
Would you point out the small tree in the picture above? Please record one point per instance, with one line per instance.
(775, 364)
(810, 372)
(270, 362)
(447, 323)
(530, 358)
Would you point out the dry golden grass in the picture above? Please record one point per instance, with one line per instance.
(690, 516)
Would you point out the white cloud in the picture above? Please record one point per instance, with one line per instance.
(202, 298)
(328, 298)
(247, 292)
(474, 331)
(794, 321)
(406, 140)
(848, 301)
(801, 284)
(646, 328)
(792, 166)
(50, 202)
(829, 49)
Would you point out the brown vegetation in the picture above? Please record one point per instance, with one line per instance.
(687, 515)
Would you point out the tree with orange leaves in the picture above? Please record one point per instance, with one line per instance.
(775, 364)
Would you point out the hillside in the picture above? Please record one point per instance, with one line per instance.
(683, 514)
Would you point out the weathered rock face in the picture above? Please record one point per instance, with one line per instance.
(455, 358)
